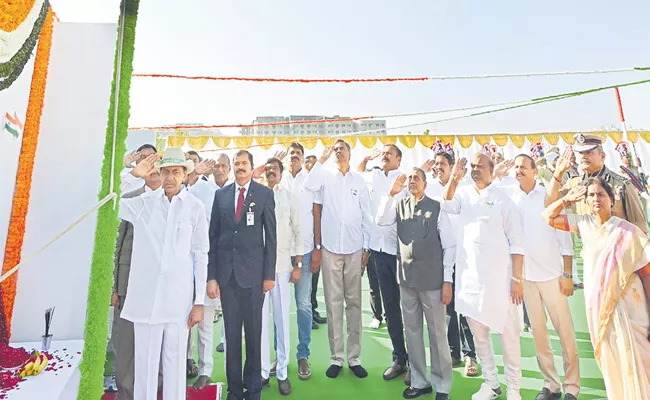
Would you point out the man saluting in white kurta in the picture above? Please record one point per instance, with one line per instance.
(489, 262)
(169, 263)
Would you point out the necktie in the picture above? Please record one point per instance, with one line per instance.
(240, 204)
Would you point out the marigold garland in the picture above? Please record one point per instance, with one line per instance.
(16, 233)
(13, 13)
(25, 52)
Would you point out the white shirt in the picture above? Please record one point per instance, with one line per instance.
(387, 216)
(287, 217)
(307, 199)
(346, 220)
(129, 182)
(491, 234)
(382, 237)
(435, 190)
(544, 246)
(170, 257)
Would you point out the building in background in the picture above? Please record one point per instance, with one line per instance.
(325, 128)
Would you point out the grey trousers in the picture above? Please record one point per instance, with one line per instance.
(416, 303)
(123, 339)
(342, 284)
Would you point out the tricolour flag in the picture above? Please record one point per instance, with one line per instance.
(13, 125)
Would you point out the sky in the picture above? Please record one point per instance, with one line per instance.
(381, 38)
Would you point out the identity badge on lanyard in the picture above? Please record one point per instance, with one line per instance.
(250, 218)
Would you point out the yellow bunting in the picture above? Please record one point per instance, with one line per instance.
(368, 141)
(309, 143)
(352, 140)
(265, 142)
(616, 136)
(482, 139)
(221, 141)
(408, 141)
(567, 137)
(243, 141)
(518, 140)
(633, 136)
(388, 139)
(552, 138)
(328, 141)
(175, 141)
(500, 140)
(427, 140)
(534, 138)
(465, 140)
(450, 139)
(160, 143)
(285, 141)
(197, 142)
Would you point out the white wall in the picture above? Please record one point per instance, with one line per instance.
(13, 99)
(66, 181)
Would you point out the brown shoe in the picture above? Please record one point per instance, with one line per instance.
(284, 387)
(304, 372)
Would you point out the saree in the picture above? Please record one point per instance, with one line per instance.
(614, 254)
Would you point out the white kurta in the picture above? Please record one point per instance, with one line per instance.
(289, 235)
(170, 257)
(491, 233)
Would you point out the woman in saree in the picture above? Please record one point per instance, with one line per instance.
(616, 258)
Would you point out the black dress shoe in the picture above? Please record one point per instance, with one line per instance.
(412, 393)
(394, 371)
(284, 387)
(333, 371)
(359, 371)
(569, 396)
(546, 394)
(317, 317)
(407, 377)
(220, 348)
(442, 396)
(266, 382)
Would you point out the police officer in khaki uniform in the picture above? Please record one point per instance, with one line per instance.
(591, 157)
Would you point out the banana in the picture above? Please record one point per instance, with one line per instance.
(37, 363)
(44, 362)
(29, 366)
(23, 373)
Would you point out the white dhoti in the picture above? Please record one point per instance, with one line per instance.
(280, 298)
(205, 333)
(149, 340)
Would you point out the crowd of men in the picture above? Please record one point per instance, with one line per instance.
(464, 251)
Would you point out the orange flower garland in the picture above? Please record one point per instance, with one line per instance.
(16, 233)
(13, 13)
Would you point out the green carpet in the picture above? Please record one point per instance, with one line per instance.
(376, 357)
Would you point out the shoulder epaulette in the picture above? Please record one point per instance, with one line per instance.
(619, 177)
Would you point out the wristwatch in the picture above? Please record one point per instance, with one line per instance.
(318, 247)
(299, 264)
(516, 279)
(568, 276)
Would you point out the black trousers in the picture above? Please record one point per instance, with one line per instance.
(314, 290)
(386, 268)
(375, 290)
(458, 332)
(243, 306)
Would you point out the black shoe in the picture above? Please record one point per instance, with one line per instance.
(412, 393)
(546, 394)
(333, 371)
(314, 325)
(394, 371)
(266, 382)
(442, 396)
(192, 369)
(407, 377)
(220, 348)
(569, 396)
(359, 371)
(284, 387)
(317, 317)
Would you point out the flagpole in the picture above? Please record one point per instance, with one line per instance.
(623, 125)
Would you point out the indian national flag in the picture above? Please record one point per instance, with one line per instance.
(13, 125)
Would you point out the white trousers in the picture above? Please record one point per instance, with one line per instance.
(511, 352)
(280, 298)
(205, 332)
(149, 340)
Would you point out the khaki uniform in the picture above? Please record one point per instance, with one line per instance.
(629, 208)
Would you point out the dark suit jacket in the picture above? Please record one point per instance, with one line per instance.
(123, 250)
(249, 252)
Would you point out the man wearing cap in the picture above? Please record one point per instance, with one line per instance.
(169, 264)
(591, 157)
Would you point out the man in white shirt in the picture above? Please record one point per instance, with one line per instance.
(383, 245)
(458, 332)
(169, 265)
(489, 262)
(425, 255)
(294, 178)
(547, 283)
(131, 183)
(345, 229)
(287, 215)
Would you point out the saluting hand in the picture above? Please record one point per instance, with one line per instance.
(327, 153)
(565, 162)
(145, 167)
(460, 168)
(398, 185)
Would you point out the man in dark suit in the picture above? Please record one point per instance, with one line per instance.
(242, 267)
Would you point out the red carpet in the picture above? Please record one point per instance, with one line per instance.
(207, 393)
